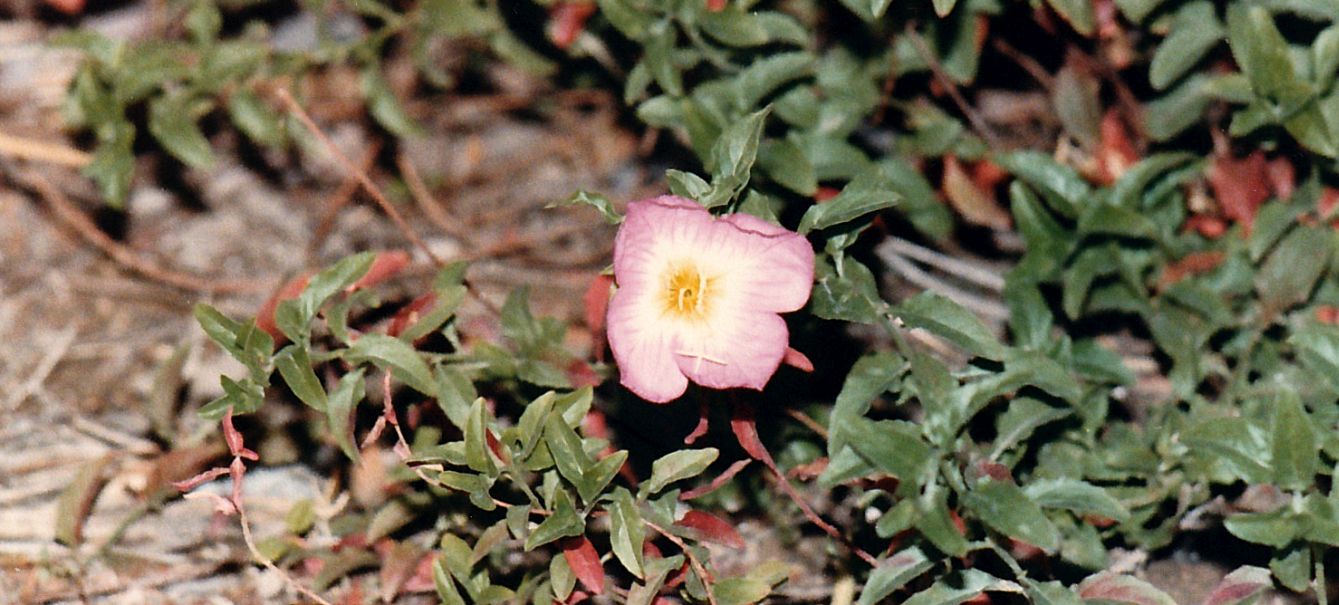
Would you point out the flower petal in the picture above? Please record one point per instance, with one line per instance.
(643, 347)
(739, 348)
(650, 228)
(771, 268)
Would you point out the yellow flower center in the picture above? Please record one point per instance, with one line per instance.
(687, 289)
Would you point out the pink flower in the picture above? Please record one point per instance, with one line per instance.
(698, 297)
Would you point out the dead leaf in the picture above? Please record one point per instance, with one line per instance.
(976, 206)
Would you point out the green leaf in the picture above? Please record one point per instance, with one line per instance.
(293, 316)
(561, 578)
(1295, 451)
(1276, 528)
(1292, 566)
(687, 184)
(766, 75)
(626, 532)
(1076, 495)
(936, 524)
(848, 293)
(113, 165)
(894, 447)
(1325, 57)
(446, 587)
(892, 574)
(740, 591)
(1106, 219)
(1049, 593)
(598, 476)
(676, 466)
(786, 164)
(477, 456)
(1077, 105)
(384, 107)
(1179, 109)
(732, 158)
(1289, 274)
(258, 121)
(594, 200)
(1079, 14)
(953, 588)
(443, 308)
(1195, 31)
(734, 27)
(339, 411)
(856, 200)
(1107, 587)
(1138, 10)
(659, 48)
(565, 446)
(203, 21)
(563, 523)
(172, 120)
(1006, 509)
(1061, 186)
(1233, 443)
(404, 362)
(947, 319)
(870, 377)
(629, 19)
(944, 7)
(296, 368)
(1017, 423)
(455, 394)
(1260, 50)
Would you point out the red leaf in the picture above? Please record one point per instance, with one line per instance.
(1107, 586)
(1194, 263)
(1282, 177)
(1023, 551)
(716, 6)
(797, 360)
(1240, 186)
(384, 266)
(421, 581)
(234, 439)
(745, 428)
(69, 7)
(222, 505)
(1329, 198)
(496, 447)
(1211, 227)
(1242, 584)
(567, 20)
(706, 527)
(237, 470)
(596, 304)
(289, 291)
(409, 314)
(703, 424)
(585, 563)
(580, 374)
(975, 205)
(1116, 153)
(825, 193)
(1327, 314)
(200, 479)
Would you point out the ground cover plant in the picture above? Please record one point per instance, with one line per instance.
(971, 301)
